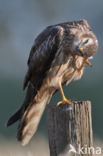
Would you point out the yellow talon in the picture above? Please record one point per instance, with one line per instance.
(64, 101)
(85, 61)
(88, 63)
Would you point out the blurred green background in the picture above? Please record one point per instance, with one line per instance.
(20, 22)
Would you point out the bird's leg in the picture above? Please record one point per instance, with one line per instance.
(64, 99)
(85, 61)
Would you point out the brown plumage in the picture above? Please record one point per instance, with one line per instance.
(57, 57)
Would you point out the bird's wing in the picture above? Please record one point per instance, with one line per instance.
(39, 40)
(42, 53)
(46, 46)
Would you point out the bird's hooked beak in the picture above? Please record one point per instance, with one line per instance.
(79, 51)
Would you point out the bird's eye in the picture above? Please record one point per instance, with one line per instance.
(86, 41)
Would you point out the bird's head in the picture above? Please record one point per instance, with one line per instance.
(85, 44)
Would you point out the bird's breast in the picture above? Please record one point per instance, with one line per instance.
(74, 70)
(64, 72)
(79, 67)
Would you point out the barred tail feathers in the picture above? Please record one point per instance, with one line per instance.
(30, 120)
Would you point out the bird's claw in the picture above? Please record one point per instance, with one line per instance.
(88, 63)
(64, 101)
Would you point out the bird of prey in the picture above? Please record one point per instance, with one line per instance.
(57, 56)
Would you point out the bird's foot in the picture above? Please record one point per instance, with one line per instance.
(64, 101)
(85, 61)
(88, 63)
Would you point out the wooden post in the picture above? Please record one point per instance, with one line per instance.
(70, 129)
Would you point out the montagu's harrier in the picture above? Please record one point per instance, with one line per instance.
(58, 56)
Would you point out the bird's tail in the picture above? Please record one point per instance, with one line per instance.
(31, 118)
(15, 117)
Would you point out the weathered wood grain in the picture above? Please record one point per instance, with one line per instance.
(70, 125)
